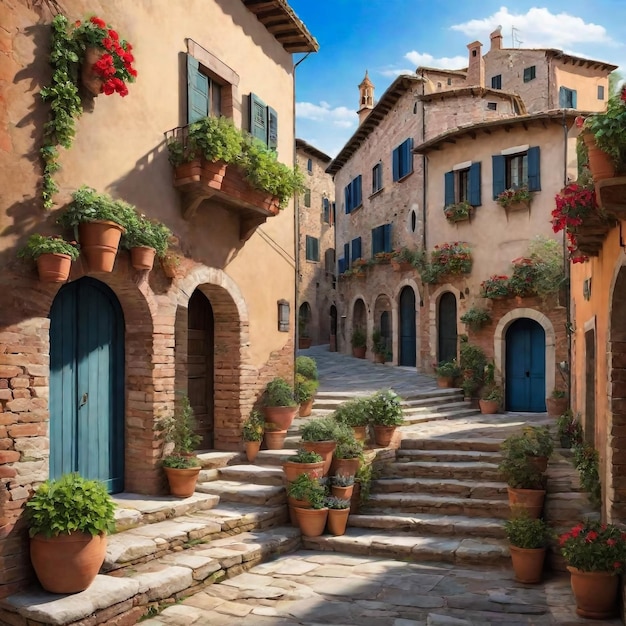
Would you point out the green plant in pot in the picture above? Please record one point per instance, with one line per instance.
(355, 413)
(145, 238)
(305, 392)
(385, 409)
(476, 317)
(347, 457)
(68, 520)
(307, 494)
(338, 513)
(53, 256)
(320, 435)
(446, 372)
(279, 403)
(569, 429)
(181, 466)
(358, 341)
(303, 462)
(307, 367)
(491, 399)
(557, 402)
(252, 434)
(379, 345)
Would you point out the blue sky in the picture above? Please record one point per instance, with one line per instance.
(387, 37)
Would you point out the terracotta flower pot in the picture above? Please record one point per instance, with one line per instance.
(337, 521)
(359, 353)
(293, 504)
(311, 521)
(529, 499)
(445, 382)
(252, 449)
(527, 563)
(383, 435)
(556, 406)
(344, 493)
(281, 417)
(275, 439)
(293, 470)
(324, 448)
(488, 407)
(67, 563)
(54, 267)
(347, 467)
(304, 343)
(306, 408)
(182, 481)
(142, 257)
(360, 433)
(595, 593)
(99, 242)
(600, 163)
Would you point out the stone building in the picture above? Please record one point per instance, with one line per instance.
(115, 348)
(441, 137)
(317, 308)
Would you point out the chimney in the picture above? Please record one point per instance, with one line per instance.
(476, 66)
(366, 98)
(496, 39)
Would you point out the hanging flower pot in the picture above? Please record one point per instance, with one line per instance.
(54, 268)
(53, 256)
(99, 242)
(142, 257)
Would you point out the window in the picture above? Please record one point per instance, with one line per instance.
(377, 177)
(355, 252)
(449, 81)
(333, 214)
(600, 92)
(381, 239)
(352, 194)
(515, 170)
(263, 122)
(463, 185)
(329, 260)
(529, 73)
(492, 106)
(402, 159)
(346, 255)
(309, 166)
(496, 82)
(307, 197)
(204, 95)
(341, 266)
(312, 248)
(567, 98)
(326, 214)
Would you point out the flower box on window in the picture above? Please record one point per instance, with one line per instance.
(458, 212)
(452, 259)
(495, 287)
(516, 198)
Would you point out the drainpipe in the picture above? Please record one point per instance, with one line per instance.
(424, 168)
(566, 266)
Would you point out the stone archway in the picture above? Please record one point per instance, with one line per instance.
(433, 317)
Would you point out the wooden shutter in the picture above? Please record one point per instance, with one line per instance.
(498, 165)
(326, 210)
(396, 164)
(474, 184)
(348, 197)
(534, 178)
(341, 266)
(378, 240)
(272, 128)
(356, 249)
(449, 196)
(386, 236)
(197, 92)
(258, 118)
(346, 254)
(408, 156)
(357, 195)
(307, 197)
(315, 249)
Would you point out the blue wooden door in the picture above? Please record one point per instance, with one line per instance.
(526, 366)
(446, 328)
(87, 383)
(407, 328)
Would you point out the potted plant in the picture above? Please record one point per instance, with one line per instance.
(347, 457)
(307, 367)
(303, 462)
(342, 485)
(359, 342)
(515, 198)
(68, 521)
(596, 556)
(491, 400)
(557, 403)
(495, 287)
(528, 538)
(301, 491)
(181, 466)
(53, 256)
(446, 372)
(280, 406)
(338, 513)
(305, 393)
(569, 430)
(451, 259)
(362, 486)
(386, 415)
(379, 345)
(252, 434)
(319, 436)
(145, 238)
(458, 212)
(98, 222)
(475, 318)
(402, 259)
(355, 414)
(312, 519)
(274, 436)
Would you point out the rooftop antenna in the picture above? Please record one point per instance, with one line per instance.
(514, 38)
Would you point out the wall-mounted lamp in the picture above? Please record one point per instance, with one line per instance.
(283, 316)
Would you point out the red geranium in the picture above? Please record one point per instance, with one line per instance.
(594, 547)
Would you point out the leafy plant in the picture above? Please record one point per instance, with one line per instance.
(254, 427)
(558, 394)
(302, 456)
(496, 286)
(473, 364)
(305, 388)
(513, 196)
(364, 478)
(70, 504)
(359, 338)
(526, 532)
(522, 281)
(351, 449)
(307, 367)
(493, 394)
(452, 258)
(609, 128)
(531, 441)
(333, 502)
(353, 413)
(519, 473)
(569, 429)
(342, 480)
(447, 369)
(142, 231)
(308, 490)
(178, 461)
(476, 317)
(322, 429)
(458, 212)
(591, 546)
(586, 461)
(386, 409)
(179, 429)
(379, 342)
(279, 393)
(404, 255)
(547, 257)
(38, 245)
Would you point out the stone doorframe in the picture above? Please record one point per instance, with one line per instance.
(433, 332)
(499, 343)
(395, 315)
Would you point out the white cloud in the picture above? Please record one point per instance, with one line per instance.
(428, 60)
(342, 117)
(537, 28)
(396, 72)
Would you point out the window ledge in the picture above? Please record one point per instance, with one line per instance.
(356, 208)
(401, 180)
(376, 193)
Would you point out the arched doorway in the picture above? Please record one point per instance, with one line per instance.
(525, 366)
(304, 325)
(200, 367)
(87, 383)
(408, 333)
(446, 328)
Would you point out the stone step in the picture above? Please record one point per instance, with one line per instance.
(445, 456)
(453, 487)
(432, 401)
(445, 505)
(405, 547)
(486, 444)
(431, 523)
(331, 400)
(437, 413)
(210, 459)
(234, 491)
(113, 599)
(479, 471)
(254, 474)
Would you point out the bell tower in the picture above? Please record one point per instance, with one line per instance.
(366, 98)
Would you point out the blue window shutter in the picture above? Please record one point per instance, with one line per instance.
(562, 98)
(474, 184)
(346, 196)
(346, 254)
(374, 247)
(197, 92)
(534, 177)
(387, 238)
(408, 153)
(396, 164)
(272, 129)
(326, 210)
(574, 98)
(258, 118)
(315, 249)
(357, 193)
(499, 174)
(378, 240)
(356, 249)
(449, 197)
(341, 266)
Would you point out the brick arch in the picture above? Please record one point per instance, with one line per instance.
(234, 381)
(499, 343)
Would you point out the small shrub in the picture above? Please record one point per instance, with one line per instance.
(386, 409)
(279, 393)
(322, 429)
(302, 456)
(307, 367)
(333, 502)
(253, 427)
(342, 480)
(353, 413)
(348, 450)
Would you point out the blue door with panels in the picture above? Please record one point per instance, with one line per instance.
(87, 383)
(526, 366)
(408, 333)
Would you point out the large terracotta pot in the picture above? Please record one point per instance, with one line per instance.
(293, 470)
(347, 467)
(281, 417)
(556, 406)
(67, 563)
(275, 439)
(337, 521)
(324, 448)
(182, 481)
(99, 242)
(293, 504)
(529, 499)
(600, 163)
(304, 343)
(344, 493)
(142, 257)
(359, 353)
(488, 407)
(360, 432)
(527, 563)
(383, 435)
(252, 449)
(445, 382)
(306, 408)
(54, 267)
(311, 521)
(595, 593)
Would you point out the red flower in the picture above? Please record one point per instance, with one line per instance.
(77, 23)
(591, 536)
(96, 21)
(623, 94)
(113, 35)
